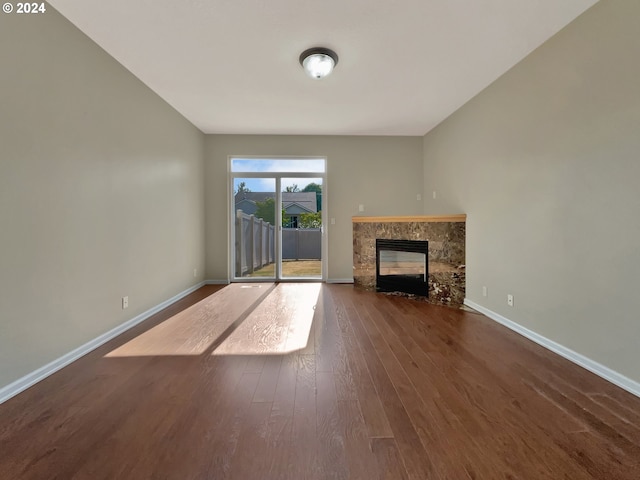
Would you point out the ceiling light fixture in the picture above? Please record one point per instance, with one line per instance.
(318, 62)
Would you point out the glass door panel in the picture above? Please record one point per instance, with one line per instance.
(301, 207)
(255, 220)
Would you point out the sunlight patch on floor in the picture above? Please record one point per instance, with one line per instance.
(195, 329)
(280, 324)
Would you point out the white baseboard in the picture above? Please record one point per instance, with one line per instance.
(43, 372)
(216, 282)
(608, 374)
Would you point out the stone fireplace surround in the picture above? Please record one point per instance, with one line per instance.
(446, 236)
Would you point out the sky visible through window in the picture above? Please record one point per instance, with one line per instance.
(269, 165)
(269, 184)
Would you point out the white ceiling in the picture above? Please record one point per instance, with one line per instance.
(231, 66)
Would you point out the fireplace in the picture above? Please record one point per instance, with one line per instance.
(446, 260)
(402, 266)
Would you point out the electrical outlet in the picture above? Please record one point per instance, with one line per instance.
(125, 302)
(333, 221)
(419, 196)
(484, 291)
(434, 194)
(510, 300)
(195, 272)
(361, 208)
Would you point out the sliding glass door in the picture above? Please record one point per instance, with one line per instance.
(276, 222)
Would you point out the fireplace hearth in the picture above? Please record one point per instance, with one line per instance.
(402, 266)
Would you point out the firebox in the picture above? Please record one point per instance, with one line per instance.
(402, 266)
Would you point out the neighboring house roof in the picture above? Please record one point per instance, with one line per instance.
(247, 206)
(293, 202)
(254, 196)
(296, 208)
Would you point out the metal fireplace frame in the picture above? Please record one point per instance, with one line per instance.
(403, 283)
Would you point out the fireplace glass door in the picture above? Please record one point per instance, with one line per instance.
(402, 266)
(408, 264)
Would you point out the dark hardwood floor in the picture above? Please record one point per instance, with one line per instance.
(311, 381)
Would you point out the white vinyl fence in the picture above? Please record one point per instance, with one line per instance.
(301, 244)
(255, 243)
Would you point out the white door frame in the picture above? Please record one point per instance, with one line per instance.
(278, 176)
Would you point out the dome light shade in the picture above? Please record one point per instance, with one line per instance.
(318, 62)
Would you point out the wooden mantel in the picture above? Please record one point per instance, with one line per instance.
(412, 218)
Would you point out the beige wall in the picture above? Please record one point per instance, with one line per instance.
(382, 173)
(545, 162)
(101, 194)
